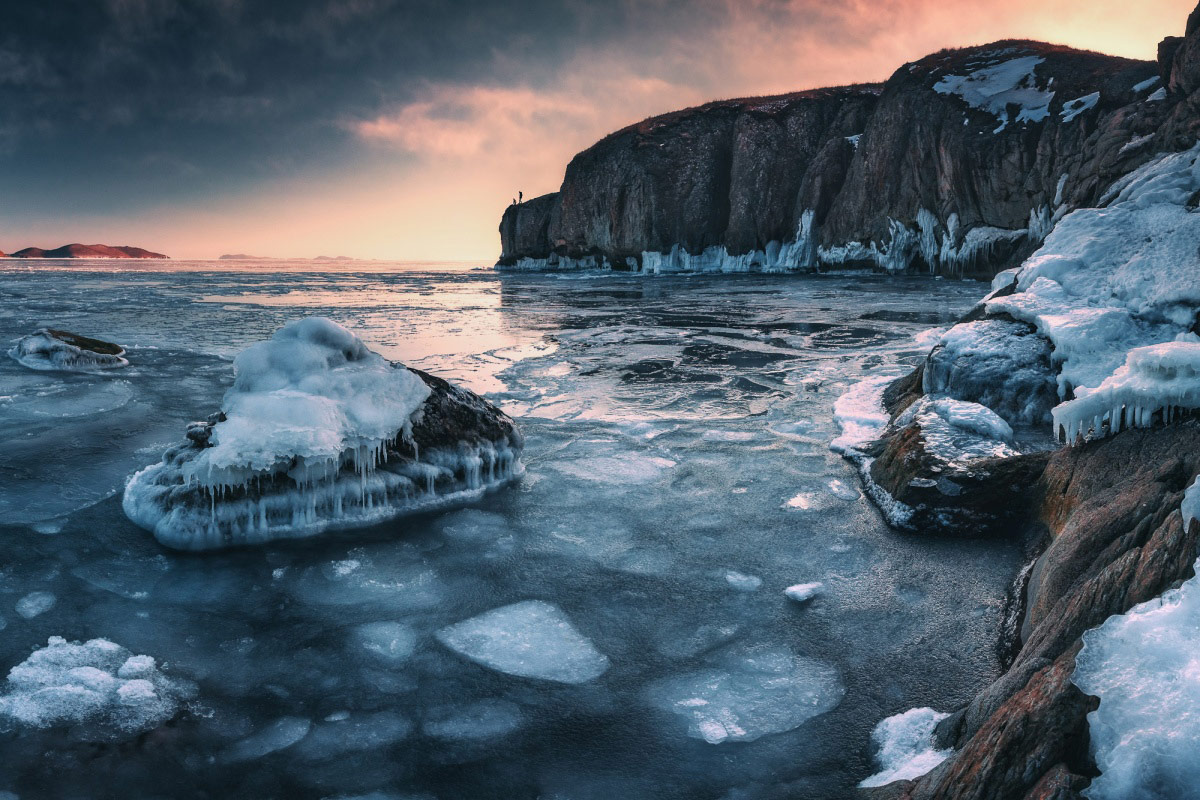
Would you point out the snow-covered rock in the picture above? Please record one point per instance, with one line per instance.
(318, 432)
(532, 639)
(51, 349)
(904, 747)
(98, 686)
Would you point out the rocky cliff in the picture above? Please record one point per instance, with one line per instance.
(959, 163)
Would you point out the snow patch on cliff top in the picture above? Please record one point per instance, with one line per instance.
(993, 88)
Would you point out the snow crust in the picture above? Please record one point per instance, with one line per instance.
(97, 685)
(904, 747)
(1144, 666)
(42, 350)
(531, 639)
(1073, 108)
(993, 88)
(745, 695)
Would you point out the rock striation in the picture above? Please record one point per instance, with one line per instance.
(958, 164)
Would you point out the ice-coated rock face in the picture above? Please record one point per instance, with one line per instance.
(745, 695)
(51, 349)
(318, 432)
(904, 747)
(532, 639)
(100, 688)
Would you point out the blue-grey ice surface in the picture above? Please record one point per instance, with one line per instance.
(678, 481)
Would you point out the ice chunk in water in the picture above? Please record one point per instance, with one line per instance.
(743, 582)
(904, 746)
(487, 719)
(749, 694)
(803, 592)
(392, 642)
(279, 735)
(349, 734)
(97, 685)
(533, 639)
(628, 469)
(35, 603)
(49, 349)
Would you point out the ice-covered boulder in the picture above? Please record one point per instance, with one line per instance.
(52, 349)
(319, 432)
(101, 689)
(904, 746)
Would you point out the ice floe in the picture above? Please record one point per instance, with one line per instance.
(803, 592)
(99, 686)
(747, 694)
(479, 721)
(532, 639)
(904, 747)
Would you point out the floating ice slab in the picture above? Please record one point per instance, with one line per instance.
(486, 719)
(803, 592)
(749, 694)
(348, 734)
(532, 639)
(743, 582)
(35, 604)
(279, 735)
(50, 349)
(904, 747)
(392, 642)
(98, 685)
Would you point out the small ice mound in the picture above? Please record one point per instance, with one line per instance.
(803, 592)
(98, 685)
(743, 582)
(51, 349)
(316, 433)
(531, 639)
(1157, 383)
(35, 604)
(904, 747)
(477, 722)
(279, 735)
(49, 527)
(390, 642)
(345, 733)
(749, 694)
(842, 490)
(959, 432)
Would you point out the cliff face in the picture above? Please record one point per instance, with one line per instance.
(959, 163)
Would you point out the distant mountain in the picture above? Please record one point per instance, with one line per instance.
(334, 258)
(87, 251)
(242, 257)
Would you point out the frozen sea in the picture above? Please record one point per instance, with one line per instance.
(678, 480)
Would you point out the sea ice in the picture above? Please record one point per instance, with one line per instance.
(392, 642)
(803, 592)
(904, 747)
(35, 603)
(532, 639)
(97, 685)
(480, 721)
(748, 694)
(842, 490)
(279, 735)
(860, 413)
(349, 734)
(743, 582)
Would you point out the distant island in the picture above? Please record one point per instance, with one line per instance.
(86, 251)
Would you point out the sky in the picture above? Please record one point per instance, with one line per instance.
(400, 129)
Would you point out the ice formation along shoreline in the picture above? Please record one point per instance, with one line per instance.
(318, 432)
